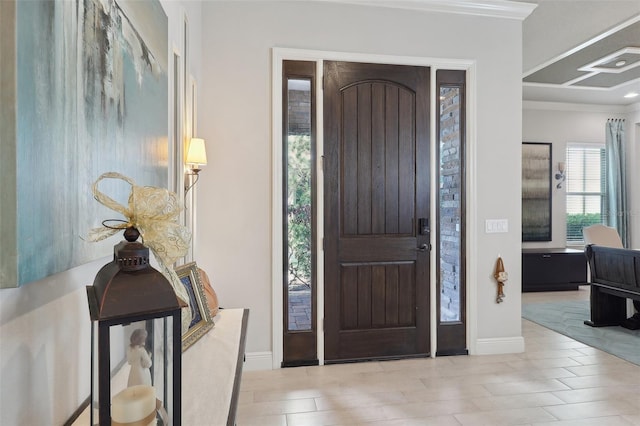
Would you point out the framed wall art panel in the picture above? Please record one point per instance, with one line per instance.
(92, 100)
(536, 191)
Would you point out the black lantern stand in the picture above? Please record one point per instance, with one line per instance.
(127, 294)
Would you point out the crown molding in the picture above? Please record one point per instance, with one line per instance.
(565, 106)
(488, 8)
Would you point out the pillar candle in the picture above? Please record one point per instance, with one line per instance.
(133, 404)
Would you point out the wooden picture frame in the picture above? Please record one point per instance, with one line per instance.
(201, 320)
(536, 191)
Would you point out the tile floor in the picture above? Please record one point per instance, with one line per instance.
(557, 381)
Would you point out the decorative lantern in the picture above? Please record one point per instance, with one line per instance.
(136, 341)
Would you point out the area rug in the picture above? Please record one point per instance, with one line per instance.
(568, 318)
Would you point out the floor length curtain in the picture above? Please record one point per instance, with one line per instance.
(617, 212)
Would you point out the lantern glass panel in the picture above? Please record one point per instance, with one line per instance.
(140, 362)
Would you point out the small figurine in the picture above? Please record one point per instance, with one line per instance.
(139, 359)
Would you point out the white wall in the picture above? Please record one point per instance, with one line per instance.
(45, 326)
(633, 138)
(234, 202)
(562, 123)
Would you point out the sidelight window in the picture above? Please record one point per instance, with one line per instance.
(450, 240)
(298, 205)
(298, 214)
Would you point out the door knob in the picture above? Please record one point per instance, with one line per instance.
(423, 247)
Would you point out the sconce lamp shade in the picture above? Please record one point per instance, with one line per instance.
(197, 153)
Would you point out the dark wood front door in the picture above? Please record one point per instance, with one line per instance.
(376, 242)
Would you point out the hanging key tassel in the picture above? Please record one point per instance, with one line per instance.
(501, 276)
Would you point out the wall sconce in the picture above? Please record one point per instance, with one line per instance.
(196, 157)
(561, 175)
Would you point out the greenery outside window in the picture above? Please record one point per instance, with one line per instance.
(586, 188)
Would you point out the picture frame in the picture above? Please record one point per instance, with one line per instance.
(536, 191)
(201, 320)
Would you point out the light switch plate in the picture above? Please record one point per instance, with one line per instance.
(494, 226)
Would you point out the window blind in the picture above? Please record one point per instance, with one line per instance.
(586, 188)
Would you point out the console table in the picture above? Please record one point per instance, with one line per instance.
(212, 369)
(550, 269)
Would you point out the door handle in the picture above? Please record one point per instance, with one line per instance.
(424, 247)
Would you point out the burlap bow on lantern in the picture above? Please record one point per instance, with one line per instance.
(154, 213)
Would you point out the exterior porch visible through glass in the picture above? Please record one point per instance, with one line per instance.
(298, 211)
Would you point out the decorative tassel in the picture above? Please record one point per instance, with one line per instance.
(501, 276)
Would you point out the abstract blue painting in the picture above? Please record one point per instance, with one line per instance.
(91, 97)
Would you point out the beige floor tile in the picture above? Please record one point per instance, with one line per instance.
(556, 381)
(507, 402)
(606, 368)
(245, 397)
(618, 379)
(283, 395)
(544, 363)
(536, 374)
(365, 385)
(336, 417)
(483, 359)
(429, 409)
(376, 399)
(437, 383)
(278, 407)
(275, 420)
(447, 392)
(599, 421)
(420, 421)
(633, 419)
(586, 410)
(588, 350)
(597, 357)
(551, 353)
(518, 416)
(598, 394)
(341, 370)
(556, 344)
(398, 374)
(474, 369)
(531, 386)
(416, 364)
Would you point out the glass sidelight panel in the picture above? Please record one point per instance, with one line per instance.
(298, 205)
(298, 214)
(450, 194)
(451, 240)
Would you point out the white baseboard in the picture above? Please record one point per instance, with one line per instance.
(258, 361)
(500, 345)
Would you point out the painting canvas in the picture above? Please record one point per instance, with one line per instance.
(536, 192)
(90, 97)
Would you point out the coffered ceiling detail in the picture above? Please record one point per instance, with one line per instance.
(604, 69)
(604, 62)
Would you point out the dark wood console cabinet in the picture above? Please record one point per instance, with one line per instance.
(549, 269)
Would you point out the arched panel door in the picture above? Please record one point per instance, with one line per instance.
(376, 242)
